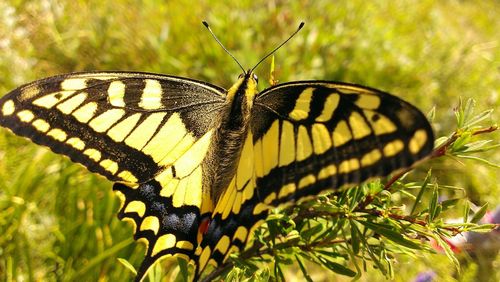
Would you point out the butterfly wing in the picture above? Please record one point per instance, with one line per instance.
(307, 137)
(147, 132)
(315, 135)
(332, 135)
(111, 122)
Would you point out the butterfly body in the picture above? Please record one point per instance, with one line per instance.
(197, 167)
(231, 130)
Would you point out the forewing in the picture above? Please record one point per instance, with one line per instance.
(121, 125)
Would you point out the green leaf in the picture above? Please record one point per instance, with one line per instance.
(307, 234)
(303, 269)
(155, 273)
(479, 117)
(387, 259)
(468, 110)
(422, 191)
(479, 214)
(459, 113)
(183, 270)
(450, 203)
(338, 268)
(354, 237)
(127, 265)
(433, 205)
(494, 165)
(477, 146)
(483, 228)
(466, 211)
(431, 114)
(234, 274)
(278, 272)
(460, 143)
(391, 234)
(448, 251)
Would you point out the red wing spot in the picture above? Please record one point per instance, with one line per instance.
(204, 226)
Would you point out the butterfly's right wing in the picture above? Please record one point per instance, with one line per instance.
(307, 137)
(147, 132)
(317, 135)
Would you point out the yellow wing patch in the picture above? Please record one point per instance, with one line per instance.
(331, 103)
(151, 95)
(8, 108)
(287, 142)
(417, 141)
(41, 125)
(105, 120)
(304, 145)
(139, 137)
(242, 186)
(302, 105)
(26, 115)
(86, 112)
(116, 93)
(72, 103)
(122, 129)
(76, 143)
(58, 134)
(341, 135)
(322, 141)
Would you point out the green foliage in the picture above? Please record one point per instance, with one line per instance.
(58, 222)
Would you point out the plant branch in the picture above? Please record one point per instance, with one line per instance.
(436, 153)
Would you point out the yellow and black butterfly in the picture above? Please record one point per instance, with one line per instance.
(198, 167)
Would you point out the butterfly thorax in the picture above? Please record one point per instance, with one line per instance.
(232, 129)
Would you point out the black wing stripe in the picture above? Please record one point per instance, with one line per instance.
(134, 160)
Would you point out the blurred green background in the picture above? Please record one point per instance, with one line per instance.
(58, 222)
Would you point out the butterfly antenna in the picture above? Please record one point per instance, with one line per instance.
(227, 51)
(301, 25)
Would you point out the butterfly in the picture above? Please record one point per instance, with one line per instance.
(197, 167)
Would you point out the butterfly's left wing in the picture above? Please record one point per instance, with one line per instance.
(147, 132)
(307, 137)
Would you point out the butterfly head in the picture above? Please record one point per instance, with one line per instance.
(248, 81)
(244, 90)
(250, 74)
(240, 98)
